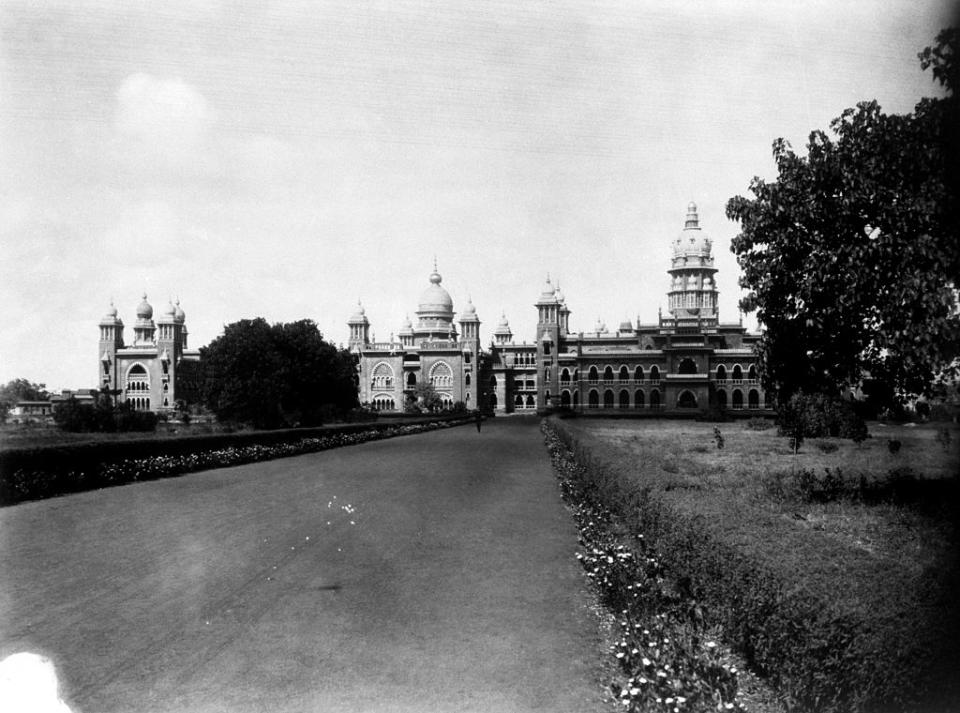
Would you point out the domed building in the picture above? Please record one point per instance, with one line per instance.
(157, 370)
(682, 365)
(431, 352)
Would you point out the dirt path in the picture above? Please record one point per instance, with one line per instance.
(427, 573)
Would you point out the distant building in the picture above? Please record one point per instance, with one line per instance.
(684, 364)
(157, 370)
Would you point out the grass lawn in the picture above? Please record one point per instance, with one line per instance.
(895, 563)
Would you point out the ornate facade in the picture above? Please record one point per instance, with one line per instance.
(157, 370)
(684, 364)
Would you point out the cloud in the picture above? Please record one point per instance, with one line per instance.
(157, 108)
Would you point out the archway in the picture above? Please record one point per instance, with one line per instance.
(753, 399)
(638, 373)
(737, 399)
(688, 366)
(624, 374)
(654, 373)
(687, 399)
(565, 398)
(624, 399)
(721, 373)
(608, 398)
(593, 399)
(721, 398)
(737, 373)
(638, 400)
(655, 399)
(608, 374)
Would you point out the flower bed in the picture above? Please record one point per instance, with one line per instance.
(42, 473)
(666, 657)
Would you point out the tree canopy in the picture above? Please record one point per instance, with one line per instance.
(20, 390)
(850, 256)
(272, 376)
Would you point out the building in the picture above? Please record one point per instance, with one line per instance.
(155, 371)
(684, 364)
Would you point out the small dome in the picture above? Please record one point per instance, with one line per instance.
(144, 310)
(692, 240)
(179, 315)
(111, 316)
(169, 313)
(503, 323)
(548, 292)
(626, 326)
(360, 314)
(469, 310)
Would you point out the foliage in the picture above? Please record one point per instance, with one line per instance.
(278, 375)
(901, 486)
(20, 390)
(850, 255)
(819, 416)
(825, 651)
(758, 423)
(36, 473)
(427, 397)
(102, 416)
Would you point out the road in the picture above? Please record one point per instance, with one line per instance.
(425, 573)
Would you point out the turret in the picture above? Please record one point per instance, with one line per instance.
(693, 291)
(359, 329)
(111, 339)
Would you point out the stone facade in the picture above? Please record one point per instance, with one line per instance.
(157, 370)
(682, 365)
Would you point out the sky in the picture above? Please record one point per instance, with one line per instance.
(287, 159)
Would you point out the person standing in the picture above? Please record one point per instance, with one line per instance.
(478, 418)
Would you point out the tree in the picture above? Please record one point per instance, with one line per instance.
(850, 256)
(274, 376)
(20, 390)
(427, 397)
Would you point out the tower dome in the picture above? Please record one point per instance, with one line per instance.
(169, 313)
(179, 315)
(435, 298)
(692, 241)
(110, 318)
(144, 310)
(360, 315)
(469, 310)
(548, 292)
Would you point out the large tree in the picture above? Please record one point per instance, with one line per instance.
(20, 390)
(276, 375)
(851, 256)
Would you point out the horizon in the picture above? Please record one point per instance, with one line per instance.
(287, 161)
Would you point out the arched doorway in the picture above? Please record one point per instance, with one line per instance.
(655, 399)
(565, 398)
(688, 366)
(593, 399)
(624, 398)
(753, 399)
(687, 399)
(608, 398)
(737, 399)
(721, 398)
(638, 400)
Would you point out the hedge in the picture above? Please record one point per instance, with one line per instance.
(43, 472)
(822, 656)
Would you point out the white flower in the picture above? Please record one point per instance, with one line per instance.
(634, 691)
(646, 661)
(711, 645)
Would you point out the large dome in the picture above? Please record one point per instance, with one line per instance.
(435, 298)
(692, 240)
(144, 310)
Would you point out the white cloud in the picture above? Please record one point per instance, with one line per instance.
(157, 108)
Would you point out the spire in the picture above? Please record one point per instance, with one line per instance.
(693, 220)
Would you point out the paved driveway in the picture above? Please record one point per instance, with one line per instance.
(425, 573)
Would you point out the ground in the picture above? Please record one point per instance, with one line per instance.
(426, 573)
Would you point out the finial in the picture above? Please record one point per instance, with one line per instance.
(693, 221)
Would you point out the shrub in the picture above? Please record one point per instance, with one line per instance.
(943, 438)
(827, 447)
(758, 423)
(819, 416)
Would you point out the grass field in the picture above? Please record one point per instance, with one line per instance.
(892, 561)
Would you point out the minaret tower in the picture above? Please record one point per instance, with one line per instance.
(359, 329)
(550, 319)
(144, 328)
(470, 327)
(111, 339)
(167, 329)
(693, 291)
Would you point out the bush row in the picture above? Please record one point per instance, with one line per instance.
(37, 473)
(666, 658)
(821, 656)
(901, 486)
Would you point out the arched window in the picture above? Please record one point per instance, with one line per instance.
(721, 398)
(546, 375)
(576, 398)
(411, 379)
(687, 399)
(594, 375)
(638, 373)
(608, 398)
(441, 375)
(138, 381)
(382, 376)
(530, 401)
(737, 399)
(655, 399)
(737, 373)
(608, 374)
(518, 401)
(624, 374)
(576, 374)
(654, 374)
(565, 375)
(624, 399)
(593, 399)
(688, 366)
(753, 399)
(565, 398)
(466, 380)
(721, 373)
(638, 400)
(752, 372)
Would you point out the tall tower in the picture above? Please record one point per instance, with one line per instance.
(470, 327)
(167, 344)
(111, 339)
(693, 291)
(503, 334)
(359, 329)
(550, 319)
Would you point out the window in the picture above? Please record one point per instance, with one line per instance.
(638, 399)
(138, 381)
(594, 375)
(608, 374)
(593, 399)
(624, 398)
(382, 376)
(638, 373)
(687, 399)
(624, 374)
(467, 379)
(753, 399)
(654, 374)
(608, 398)
(688, 366)
(441, 375)
(721, 373)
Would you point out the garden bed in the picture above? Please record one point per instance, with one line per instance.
(37, 473)
(844, 605)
